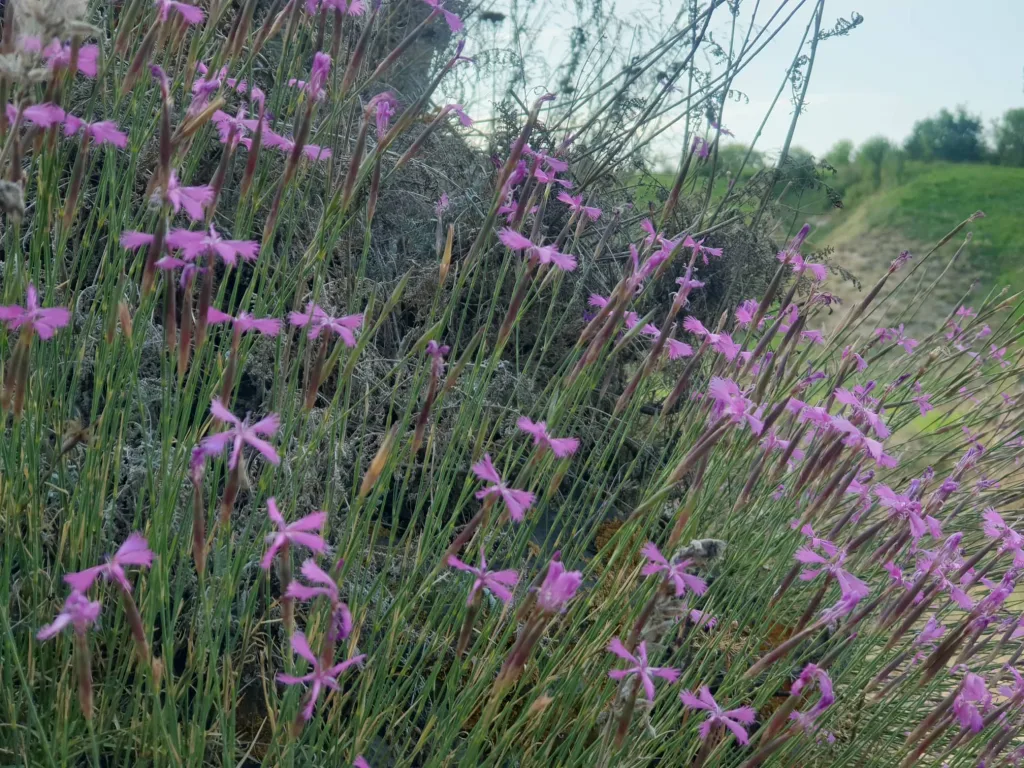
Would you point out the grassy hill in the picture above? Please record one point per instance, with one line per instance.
(922, 210)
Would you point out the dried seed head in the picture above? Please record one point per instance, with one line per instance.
(12, 199)
(46, 19)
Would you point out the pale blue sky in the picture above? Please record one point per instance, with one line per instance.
(906, 61)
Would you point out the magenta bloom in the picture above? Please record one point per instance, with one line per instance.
(720, 342)
(545, 254)
(516, 501)
(932, 631)
(101, 132)
(922, 402)
(728, 401)
(674, 572)
(576, 205)
(745, 313)
(287, 146)
(558, 588)
(383, 106)
(678, 349)
(231, 129)
(241, 433)
(193, 199)
(903, 507)
(971, 701)
(41, 115)
(796, 261)
(298, 533)
(360, 761)
(134, 551)
(497, 582)
(195, 244)
(702, 250)
(560, 446)
(640, 667)
(319, 678)
(44, 321)
(812, 673)
(341, 625)
(442, 205)
(733, 719)
(318, 320)
(347, 7)
(58, 56)
(78, 612)
(995, 527)
(245, 323)
(189, 13)
(453, 21)
(437, 353)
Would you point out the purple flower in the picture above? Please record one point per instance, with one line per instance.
(811, 674)
(720, 342)
(799, 265)
(996, 528)
(698, 247)
(443, 204)
(745, 313)
(497, 582)
(700, 147)
(576, 205)
(728, 401)
(241, 433)
(320, 677)
(899, 261)
(245, 323)
(360, 761)
(560, 446)
(453, 21)
(832, 561)
(966, 705)
(558, 588)
(383, 106)
(58, 56)
(42, 320)
(195, 244)
(193, 199)
(41, 115)
(297, 533)
(674, 572)
(903, 507)
(134, 551)
(318, 320)
(932, 631)
(545, 254)
(733, 719)
(101, 132)
(516, 501)
(78, 612)
(341, 624)
(922, 402)
(722, 129)
(640, 667)
(437, 353)
(189, 13)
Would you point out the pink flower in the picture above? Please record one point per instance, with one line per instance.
(728, 401)
(190, 13)
(297, 533)
(545, 254)
(700, 147)
(722, 129)
(453, 21)
(932, 631)
(674, 572)
(59, 57)
(558, 588)
(245, 323)
(576, 205)
(341, 624)
(966, 705)
(318, 320)
(383, 106)
(995, 527)
(347, 7)
(904, 508)
(796, 261)
(195, 244)
(811, 674)
(922, 402)
(862, 364)
(815, 337)
(134, 551)
(442, 205)
(193, 199)
(701, 250)
(360, 761)
(720, 342)
(832, 561)
(745, 313)
(231, 129)
(241, 433)
(78, 612)
(320, 677)
(733, 719)
(101, 132)
(560, 446)
(678, 349)
(497, 582)
(44, 321)
(516, 501)
(41, 115)
(133, 240)
(702, 619)
(640, 667)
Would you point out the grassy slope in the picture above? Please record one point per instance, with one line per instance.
(927, 207)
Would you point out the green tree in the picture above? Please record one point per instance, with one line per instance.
(955, 138)
(1009, 134)
(872, 154)
(840, 153)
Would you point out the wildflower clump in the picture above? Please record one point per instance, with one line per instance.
(493, 493)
